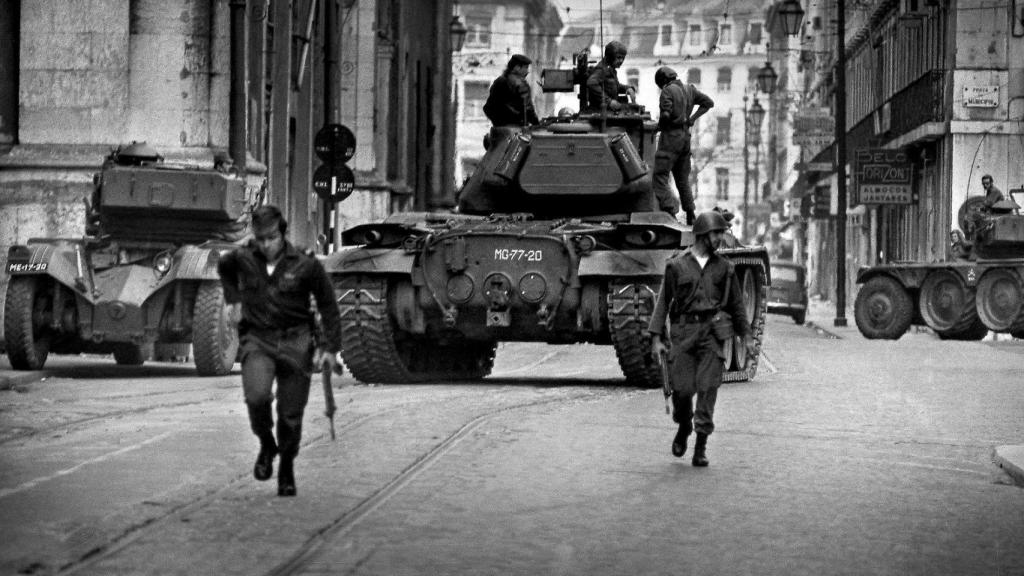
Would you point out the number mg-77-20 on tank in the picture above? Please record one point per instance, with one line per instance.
(557, 239)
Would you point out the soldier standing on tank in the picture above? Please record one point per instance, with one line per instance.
(672, 160)
(603, 88)
(698, 285)
(510, 101)
(267, 285)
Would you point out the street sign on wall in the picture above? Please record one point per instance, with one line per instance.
(882, 176)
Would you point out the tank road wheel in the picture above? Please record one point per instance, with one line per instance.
(753, 277)
(214, 340)
(629, 315)
(1000, 300)
(883, 310)
(27, 322)
(126, 354)
(376, 351)
(947, 304)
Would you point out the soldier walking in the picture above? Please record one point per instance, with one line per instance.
(699, 285)
(268, 284)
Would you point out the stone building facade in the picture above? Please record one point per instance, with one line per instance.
(80, 77)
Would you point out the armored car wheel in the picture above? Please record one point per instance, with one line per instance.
(883, 309)
(947, 304)
(214, 340)
(974, 332)
(1000, 300)
(26, 322)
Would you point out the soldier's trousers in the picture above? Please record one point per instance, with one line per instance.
(701, 419)
(672, 161)
(287, 358)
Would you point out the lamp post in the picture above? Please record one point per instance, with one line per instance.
(746, 166)
(457, 31)
(841, 163)
(753, 118)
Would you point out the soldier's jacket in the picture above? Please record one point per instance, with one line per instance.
(690, 298)
(279, 303)
(676, 103)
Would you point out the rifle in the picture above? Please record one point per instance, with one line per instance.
(666, 382)
(320, 341)
(331, 406)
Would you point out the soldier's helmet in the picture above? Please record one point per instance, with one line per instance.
(709, 221)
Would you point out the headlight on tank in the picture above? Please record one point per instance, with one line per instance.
(162, 263)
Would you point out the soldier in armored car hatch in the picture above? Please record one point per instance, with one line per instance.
(268, 284)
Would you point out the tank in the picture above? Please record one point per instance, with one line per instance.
(979, 289)
(144, 274)
(557, 239)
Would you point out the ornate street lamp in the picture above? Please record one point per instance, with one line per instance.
(791, 14)
(756, 118)
(458, 31)
(767, 78)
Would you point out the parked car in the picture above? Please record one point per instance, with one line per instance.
(788, 292)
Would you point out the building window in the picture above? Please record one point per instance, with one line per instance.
(723, 131)
(724, 79)
(478, 31)
(722, 184)
(666, 34)
(633, 77)
(693, 76)
(695, 35)
(755, 33)
(476, 96)
(725, 34)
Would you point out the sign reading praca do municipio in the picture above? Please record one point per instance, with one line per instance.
(883, 177)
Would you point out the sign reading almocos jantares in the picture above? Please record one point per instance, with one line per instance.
(883, 177)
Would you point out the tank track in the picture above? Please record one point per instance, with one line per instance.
(374, 352)
(757, 323)
(630, 305)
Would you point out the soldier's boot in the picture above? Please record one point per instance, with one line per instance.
(679, 442)
(700, 450)
(690, 217)
(261, 421)
(286, 477)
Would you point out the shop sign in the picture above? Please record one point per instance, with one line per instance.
(814, 128)
(882, 177)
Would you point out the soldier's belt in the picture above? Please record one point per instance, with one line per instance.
(694, 318)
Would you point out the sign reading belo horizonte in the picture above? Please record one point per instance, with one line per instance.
(883, 177)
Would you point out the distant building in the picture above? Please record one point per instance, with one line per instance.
(719, 47)
(496, 30)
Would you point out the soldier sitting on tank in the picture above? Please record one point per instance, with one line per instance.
(603, 88)
(510, 102)
(729, 240)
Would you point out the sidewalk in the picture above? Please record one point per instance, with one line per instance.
(821, 316)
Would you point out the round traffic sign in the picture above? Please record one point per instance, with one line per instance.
(333, 182)
(334, 143)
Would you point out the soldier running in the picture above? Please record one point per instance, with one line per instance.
(268, 282)
(698, 286)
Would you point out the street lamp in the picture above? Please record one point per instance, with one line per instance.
(767, 78)
(752, 118)
(458, 32)
(792, 14)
